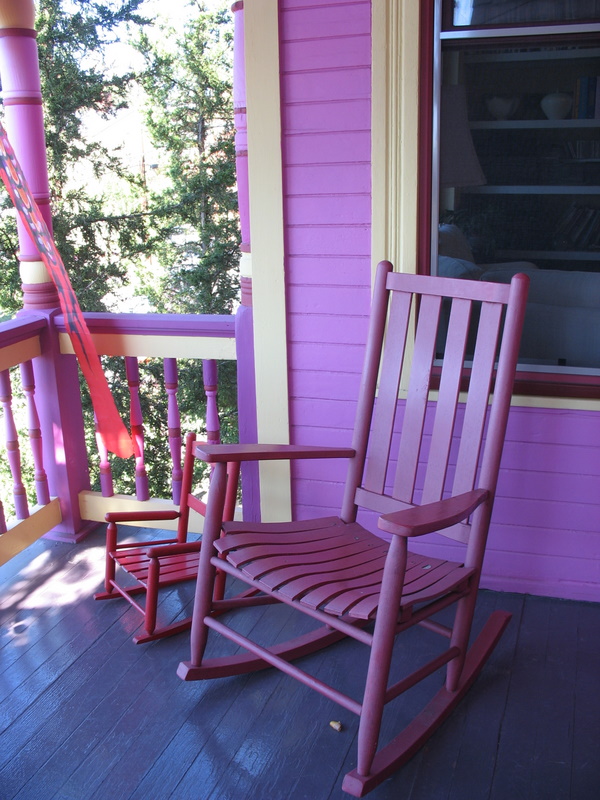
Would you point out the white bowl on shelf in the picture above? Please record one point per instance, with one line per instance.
(502, 107)
(556, 105)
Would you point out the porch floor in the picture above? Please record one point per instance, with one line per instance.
(86, 714)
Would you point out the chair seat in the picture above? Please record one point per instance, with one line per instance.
(173, 568)
(331, 565)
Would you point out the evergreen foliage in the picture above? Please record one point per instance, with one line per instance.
(175, 236)
(190, 118)
(189, 114)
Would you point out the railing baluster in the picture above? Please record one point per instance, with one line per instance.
(213, 425)
(106, 480)
(12, 447)
(2, 519)
(137, 430)
(35, 434)
(173, 426)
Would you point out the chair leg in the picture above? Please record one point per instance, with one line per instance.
(233, 479)
(381, 655)
(413, 737)
(111, 546)
(152, 595)
(460, 638)
(205, 583)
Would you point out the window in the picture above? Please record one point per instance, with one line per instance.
(516, 176)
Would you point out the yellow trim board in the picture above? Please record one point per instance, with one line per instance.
(261, 29)
(93, 506)
(566, 403)
(114, 344)
(20, 352)
(27, 531)
(394, 133)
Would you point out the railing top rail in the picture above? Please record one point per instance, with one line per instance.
(18, 329)
(213, 325)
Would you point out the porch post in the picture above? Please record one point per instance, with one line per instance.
(244, 323)
(56, 376)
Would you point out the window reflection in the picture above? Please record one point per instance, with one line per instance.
(506, 12)
(519, 187)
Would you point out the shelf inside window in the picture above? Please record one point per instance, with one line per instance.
(565, 189)
(533, 124)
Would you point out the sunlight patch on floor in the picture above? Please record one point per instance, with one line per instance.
(42, 587)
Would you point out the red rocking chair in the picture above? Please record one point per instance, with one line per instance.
(423, 465)
(135, 569)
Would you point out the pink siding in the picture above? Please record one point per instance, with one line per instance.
(326, 110)
(545, 537)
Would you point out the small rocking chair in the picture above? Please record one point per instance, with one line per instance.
(152, 565)
(421, 464)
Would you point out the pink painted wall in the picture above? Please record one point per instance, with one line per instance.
(326, 77)
(545, 537)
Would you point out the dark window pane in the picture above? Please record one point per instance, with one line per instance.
(519, 186)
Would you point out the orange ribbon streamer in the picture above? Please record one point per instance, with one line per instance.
(110, 425)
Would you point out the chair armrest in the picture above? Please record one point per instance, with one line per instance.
(213, 453)
(140, 516)
(432, 517)
(173, 549)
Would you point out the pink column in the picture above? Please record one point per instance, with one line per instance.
(241, 142)
(24, 123)
(61, 418)
(244, 327)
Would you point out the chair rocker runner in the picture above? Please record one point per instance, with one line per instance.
(155, 564)
(422, 466)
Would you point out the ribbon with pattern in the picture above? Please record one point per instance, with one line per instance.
(110, 425)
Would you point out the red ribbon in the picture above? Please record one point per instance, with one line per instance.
(110, 425)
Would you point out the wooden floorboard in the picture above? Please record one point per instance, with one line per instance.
(85, 713)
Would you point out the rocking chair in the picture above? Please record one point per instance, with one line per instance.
(144, 567)
(440, 478)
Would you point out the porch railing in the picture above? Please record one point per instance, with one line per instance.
(135, 338)
(20, 342)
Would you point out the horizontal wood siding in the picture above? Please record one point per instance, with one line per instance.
(326, 113)
(545, 536)
(545, 533)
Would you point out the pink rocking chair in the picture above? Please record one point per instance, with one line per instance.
(135, 570)
(423, 465)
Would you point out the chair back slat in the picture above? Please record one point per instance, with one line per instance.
(387, 395)
(477, 403)
(446, 408)
(416, 401)
(430, 444)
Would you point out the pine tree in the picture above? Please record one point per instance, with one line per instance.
(97, 238)
(194, 211)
